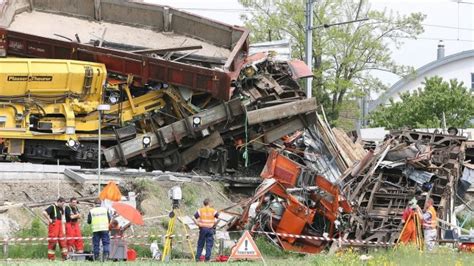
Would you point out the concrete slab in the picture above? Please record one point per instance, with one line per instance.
(15, 177)
(75, 176)
(34, 168)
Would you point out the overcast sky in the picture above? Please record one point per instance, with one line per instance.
(447, 20)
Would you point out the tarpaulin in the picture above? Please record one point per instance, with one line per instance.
(111, 192)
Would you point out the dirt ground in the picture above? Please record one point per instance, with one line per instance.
(152, 200)
(14, 192)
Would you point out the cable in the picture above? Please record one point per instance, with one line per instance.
(233, 10)
(447, 27)
(432, 39)
(463, 2)
(225, 10)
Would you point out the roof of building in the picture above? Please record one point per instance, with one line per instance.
(281, 47)
(399, 85)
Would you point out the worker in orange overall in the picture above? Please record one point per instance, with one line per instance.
(73, 227)
(429, 224)
(206, 219)
(409, 215)
(54, 214)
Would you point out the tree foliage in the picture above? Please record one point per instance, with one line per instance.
(343, 55)
(424, 107)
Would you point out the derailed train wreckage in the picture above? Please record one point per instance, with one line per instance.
(182, 106)
(294, 199)
(366, 201)
(171, 108)
(409, 164)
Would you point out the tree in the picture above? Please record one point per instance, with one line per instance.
(344, 55)
(424, 107)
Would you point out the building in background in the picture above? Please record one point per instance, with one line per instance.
(281, 48)
(458, 66)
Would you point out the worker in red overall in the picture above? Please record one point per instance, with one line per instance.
(73, 227)
(54, 214)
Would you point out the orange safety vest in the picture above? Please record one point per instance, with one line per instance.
(207, 217)
(432, 222)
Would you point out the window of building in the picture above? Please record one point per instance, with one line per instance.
(472, 81)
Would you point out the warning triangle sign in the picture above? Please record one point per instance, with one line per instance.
(246, 249)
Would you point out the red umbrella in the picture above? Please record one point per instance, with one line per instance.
(128, 212)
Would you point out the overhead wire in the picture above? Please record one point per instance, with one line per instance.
(446, 27)
(458, 28)
(436, 39)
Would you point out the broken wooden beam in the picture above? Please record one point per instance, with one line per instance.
(281, 111)
(282, 130)
(74, 176)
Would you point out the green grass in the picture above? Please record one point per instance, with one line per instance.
(270, 250)
(36, 254)
(404, 255)
(189, 195)
(37, 229)
(469, 223)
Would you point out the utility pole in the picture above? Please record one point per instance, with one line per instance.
(100, 109)
(309, 46)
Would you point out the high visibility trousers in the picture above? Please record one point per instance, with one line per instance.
(73, 229)
(409, 234)
(55, 230)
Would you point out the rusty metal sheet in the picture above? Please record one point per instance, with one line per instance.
(145, 69)
(313, 209)
(381, 193)
(299, 69)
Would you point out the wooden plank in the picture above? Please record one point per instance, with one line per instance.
(341, 156)
(282, 130)
(192, 153)
(323, 130)
(354, 151)
(281, 111)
